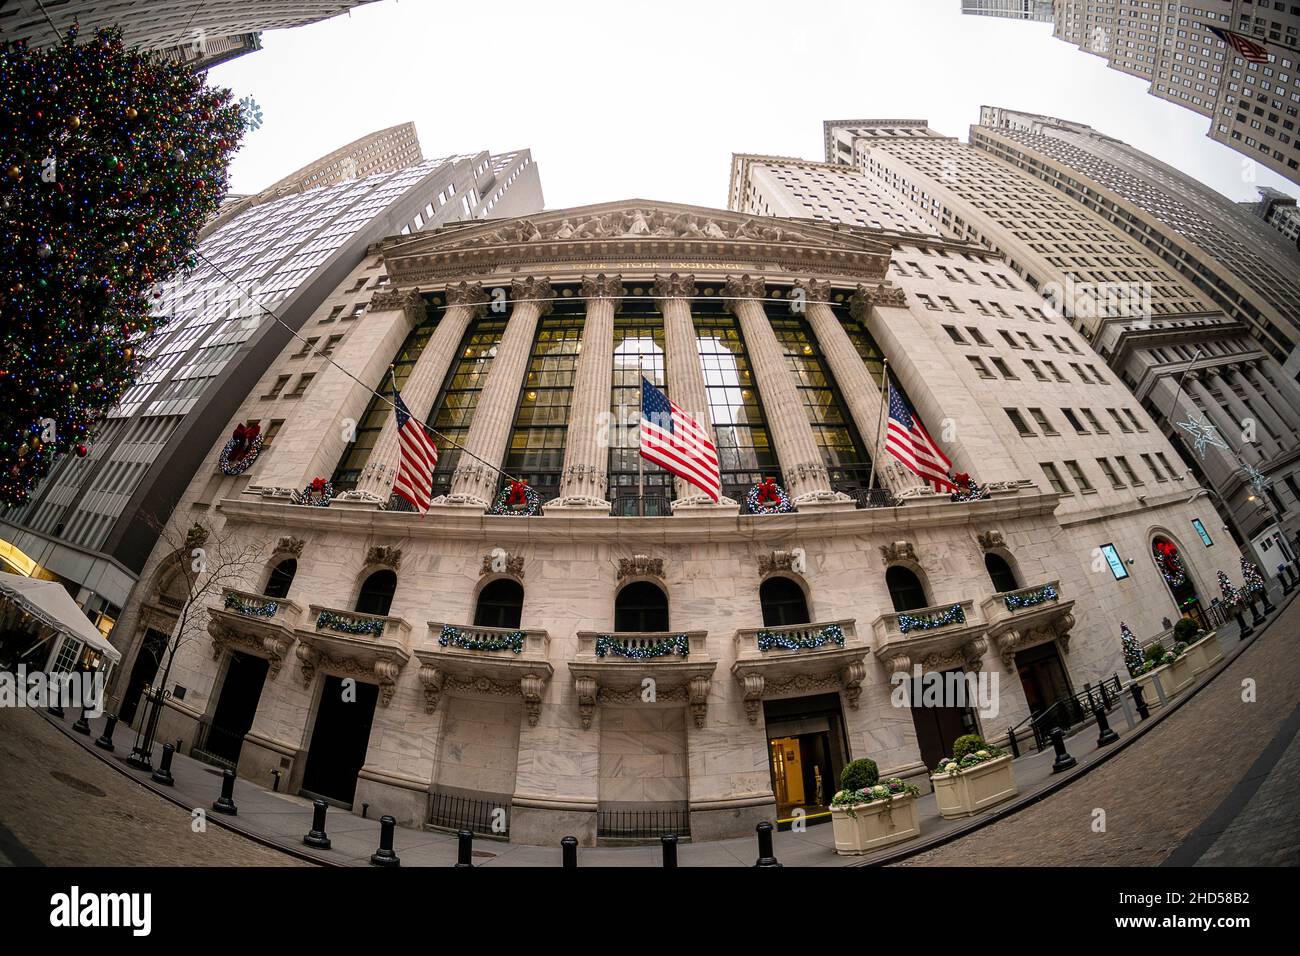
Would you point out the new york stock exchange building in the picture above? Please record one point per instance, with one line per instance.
(574, 635)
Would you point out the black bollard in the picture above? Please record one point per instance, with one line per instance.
(1063, 760)
(385, 856)
(464, 849)
(163, 774)
(105, 740)
(765, 855)
(1104, 734)
(1243, 626)
(669, 840)
(82, 724)
(1136, 690)
(1255, 617)
(317, 836)
(1105, 695)
(1015, 744)
(1268, 607)
(569, 852)
(55, 709)
(226, 802)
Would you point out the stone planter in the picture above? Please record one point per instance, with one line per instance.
(1147, 682)
(870, 826)
(1173, 678)
(1204, 654)
(969, 791)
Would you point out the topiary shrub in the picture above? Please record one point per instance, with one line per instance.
(859, 774)
(1155, 654)
(1185, 630)
(967, 744)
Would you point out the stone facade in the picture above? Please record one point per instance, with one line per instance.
(561, 722)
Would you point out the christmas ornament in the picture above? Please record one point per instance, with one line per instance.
(315, 495)
(516, 500)
(242, 449)
(768, 498)
(1170, 563)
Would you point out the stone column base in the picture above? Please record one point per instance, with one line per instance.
(698, 504)
(578, 503)
(457, 503)
(545, 822)
(405, 799)
(825, 501)
(727, 819)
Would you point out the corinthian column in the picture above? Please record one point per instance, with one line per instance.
(861, 393)
(792, 435)
(464, 302)
(685, 376)
(1260, 404)
(1263, 444)
(1219, 416)
(586, 446)
(476, 478)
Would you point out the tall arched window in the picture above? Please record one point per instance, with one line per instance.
(376, 595)
(500, 604)
(1000, 573)
(277, 585)
(641, 606)
(905, 589)
(783, 602)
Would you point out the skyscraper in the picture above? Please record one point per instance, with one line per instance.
(89, 521)
(1253, 108)
(1040, 10)
(198, 32)
(1181, 356)
(1278, 210)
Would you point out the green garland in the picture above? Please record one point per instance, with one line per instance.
(910, 622)
(452, 636)
(830, 634)
(1015, 602)
(346, 624)
(608, 644)
(250, 608)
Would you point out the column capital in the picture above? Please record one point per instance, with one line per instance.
(535, 289)
(469, 294)
(883, 294)
(674, 286)
(817, 290)
(603, 287)
(394, 300)
(741, 288)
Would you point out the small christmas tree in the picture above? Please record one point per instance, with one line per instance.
(1230, 595)
(1132, 649)
(1250, 577)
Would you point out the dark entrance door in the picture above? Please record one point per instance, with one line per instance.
(339, 740)
(143, 671)
(237, 705)
(1042, 675)
(938, 727)
(806, 751)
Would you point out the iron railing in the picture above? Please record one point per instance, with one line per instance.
(641, 824)
(644, 506)
(875, 498)
(213, 743)
(1072, 711)
(484, 817)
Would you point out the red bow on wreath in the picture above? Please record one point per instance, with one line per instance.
(767, 492)
(518, 494)
(962, 480)
(318, 485)
(244, 436)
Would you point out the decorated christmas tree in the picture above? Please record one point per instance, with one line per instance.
(1230, 595)
(1132, 649)
(1251, 580)
(113, 159)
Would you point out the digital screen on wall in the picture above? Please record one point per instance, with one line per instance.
(1115, 561)
(1200, 529)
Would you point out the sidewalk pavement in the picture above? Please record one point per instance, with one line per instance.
(281, 820)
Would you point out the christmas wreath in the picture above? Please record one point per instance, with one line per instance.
(768, 498)
(1170, 563)
(316, 495)
(242, 449)
(516, 500)
(967, 488)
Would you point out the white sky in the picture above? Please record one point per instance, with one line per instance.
(621, 100)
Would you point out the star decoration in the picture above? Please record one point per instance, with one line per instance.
(1203, 433)
(251, 113)
(1255, 477)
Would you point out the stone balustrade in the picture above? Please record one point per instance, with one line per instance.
(799, 658)
(625, 667)
(354, 644)
(937, 638)
(1025, 617)
(491, 661)
(255, 624)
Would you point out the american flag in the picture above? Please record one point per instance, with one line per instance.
(414, 482)
(1248, 49)
(907, 440)
(673, 440)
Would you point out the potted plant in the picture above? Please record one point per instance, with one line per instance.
(977, 775)
(1203, 650)
(867, 814)
(1171, 669)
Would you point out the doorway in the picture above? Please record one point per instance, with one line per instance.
(236, 706)
(339, 740)
(938, 726)
(1043, 677)
(1169, 562)
(143, 671)
(806, 752)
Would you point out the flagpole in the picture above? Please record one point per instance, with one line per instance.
(875, 451)
(640, 462)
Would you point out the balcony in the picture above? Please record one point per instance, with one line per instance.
(801, 658)
(1026, 617)
(369, 647)
(613, 668)
(260, 625)
(485, 660)
(937, 638)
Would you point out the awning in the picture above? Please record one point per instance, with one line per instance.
(49, 603)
